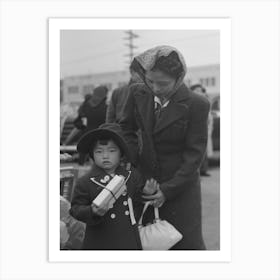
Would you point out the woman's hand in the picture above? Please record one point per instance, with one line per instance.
(156, 200)
(100, 211)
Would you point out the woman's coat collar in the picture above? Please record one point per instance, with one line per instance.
(176, 109)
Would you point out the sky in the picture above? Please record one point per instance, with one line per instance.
(99, 51)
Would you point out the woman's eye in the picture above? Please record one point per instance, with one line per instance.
(112, 151)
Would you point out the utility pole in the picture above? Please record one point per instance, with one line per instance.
(130, 44)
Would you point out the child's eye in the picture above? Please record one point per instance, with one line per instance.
(98, 151)
(112, 150)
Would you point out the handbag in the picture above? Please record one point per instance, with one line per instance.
(159, 235)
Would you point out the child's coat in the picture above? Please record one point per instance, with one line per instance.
(113, 231)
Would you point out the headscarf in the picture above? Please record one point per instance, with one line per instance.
(99, 95)
(146, 61)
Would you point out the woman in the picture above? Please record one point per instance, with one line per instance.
(199, 89)
(173, 125)
(94, 110)
(92, 113)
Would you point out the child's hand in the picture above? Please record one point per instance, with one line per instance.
(100, 211)
(151, 187)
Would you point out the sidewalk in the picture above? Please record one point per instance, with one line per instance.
(210, 191)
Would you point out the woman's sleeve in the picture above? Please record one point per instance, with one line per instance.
(138, 183)
(81, 206)
(129, 126)
(195, 147)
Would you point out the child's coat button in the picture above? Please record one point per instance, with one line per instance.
(126, 213)
(113, 216)
(125, 203)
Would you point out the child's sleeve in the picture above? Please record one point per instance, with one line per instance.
(81, 205)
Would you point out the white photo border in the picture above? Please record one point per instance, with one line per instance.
(221, 24)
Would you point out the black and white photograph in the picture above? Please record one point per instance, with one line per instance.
(140, 139)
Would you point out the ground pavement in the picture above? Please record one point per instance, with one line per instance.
(210, 191)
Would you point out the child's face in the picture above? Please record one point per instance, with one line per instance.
(107, 155)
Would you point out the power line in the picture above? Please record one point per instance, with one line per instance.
(130, 44)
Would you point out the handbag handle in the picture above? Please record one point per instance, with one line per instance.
(156, 212)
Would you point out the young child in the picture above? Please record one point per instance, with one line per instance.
(108, 227)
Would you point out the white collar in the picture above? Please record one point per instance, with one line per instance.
(157, 100)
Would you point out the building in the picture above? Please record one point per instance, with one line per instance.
(75, 87)
(207, 75)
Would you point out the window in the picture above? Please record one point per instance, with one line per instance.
(208, 82)
(88, 89)
(73, 89)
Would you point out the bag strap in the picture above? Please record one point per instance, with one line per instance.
(156, 212)
(144, 210)
(131, 211)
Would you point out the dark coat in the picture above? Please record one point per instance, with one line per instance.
(117, 102)
(96, 115)
(172, 152)
(114, 230)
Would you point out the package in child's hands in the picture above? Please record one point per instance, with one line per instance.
(111, 192)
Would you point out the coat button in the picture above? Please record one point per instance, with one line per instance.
(113, 216)
(125, 203)
(124, 193)
(126, 213)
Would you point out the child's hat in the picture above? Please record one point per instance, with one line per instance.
(105, 131)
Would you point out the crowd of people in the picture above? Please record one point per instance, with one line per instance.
(156, 133)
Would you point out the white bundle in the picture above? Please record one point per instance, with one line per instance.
(111, 192)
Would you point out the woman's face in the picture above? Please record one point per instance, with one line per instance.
(160, 83)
